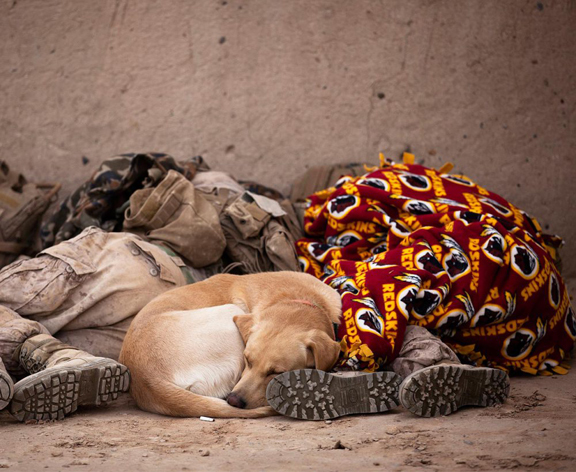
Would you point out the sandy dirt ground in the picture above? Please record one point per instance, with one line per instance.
(534, 430)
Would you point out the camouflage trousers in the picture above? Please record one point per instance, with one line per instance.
(85, 291)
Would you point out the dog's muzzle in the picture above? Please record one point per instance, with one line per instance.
(235, 400)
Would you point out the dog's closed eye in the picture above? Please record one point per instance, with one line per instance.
(273, 372)
(247, 362)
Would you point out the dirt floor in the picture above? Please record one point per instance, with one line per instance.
(534, 430)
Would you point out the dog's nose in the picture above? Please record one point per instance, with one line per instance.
(235, 400)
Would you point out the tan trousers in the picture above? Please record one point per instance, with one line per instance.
(84, 291)
(421, 349)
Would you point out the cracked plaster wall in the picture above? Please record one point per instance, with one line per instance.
(265, 88)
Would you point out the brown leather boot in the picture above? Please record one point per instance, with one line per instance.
(63, 378)
(6, 387)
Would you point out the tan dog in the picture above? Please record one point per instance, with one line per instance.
(183, 348)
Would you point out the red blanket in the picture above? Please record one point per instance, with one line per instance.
(408, 244)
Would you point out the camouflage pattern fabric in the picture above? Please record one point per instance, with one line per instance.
(101, 201)
(405, 244)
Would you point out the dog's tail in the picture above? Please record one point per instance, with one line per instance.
(166, 398)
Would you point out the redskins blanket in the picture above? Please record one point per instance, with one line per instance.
(408, 244)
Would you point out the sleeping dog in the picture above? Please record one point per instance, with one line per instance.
(227, 337)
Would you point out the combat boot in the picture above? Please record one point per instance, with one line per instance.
(6, 386)
(63, 378)
(310, 394)
(442, 389)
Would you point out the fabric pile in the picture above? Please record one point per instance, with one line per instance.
(405, 244)
(206, 217)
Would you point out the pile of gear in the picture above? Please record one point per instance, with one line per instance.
(402, 244)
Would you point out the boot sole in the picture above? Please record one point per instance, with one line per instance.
(6, 390)
(310, 394)
(443, 389)
(57, 392)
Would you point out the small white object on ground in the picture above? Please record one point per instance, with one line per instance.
(206, 418)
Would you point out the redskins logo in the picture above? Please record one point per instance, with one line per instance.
(425, 303)
(379, 248)
(342, 180)
(487, 315)
(405, 299)
(497, 206)
(452, 320)
(380, 184)
(540, 331)
(378, 263)
(458, 179)
(570, 323)
(397, 228)
(303, 263)
(425, 260)
(548, 365)
(524, 262)
(456, 264)
(467, 302)
(553, 291)
(345, 284)
(368, 321)
(419, 207)
(340, 206)
(328, 272)
(494, 248)
(518, 345)
(510, 303)
(319, 251)
(450, 243)
(468, 217)
(416, 182)
(348, 237)
(448, 201)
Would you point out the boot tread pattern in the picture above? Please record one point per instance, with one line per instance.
(312, 394)
(56, 393)
(6, 388)
(441, 390)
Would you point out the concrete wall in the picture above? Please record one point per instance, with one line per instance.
(266, 88)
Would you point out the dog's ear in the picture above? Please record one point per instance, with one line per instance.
(244, 323)
(324, 349)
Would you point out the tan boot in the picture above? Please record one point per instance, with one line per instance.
(62, 379)
(441, 389)
(6, 387)
(310, 394)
